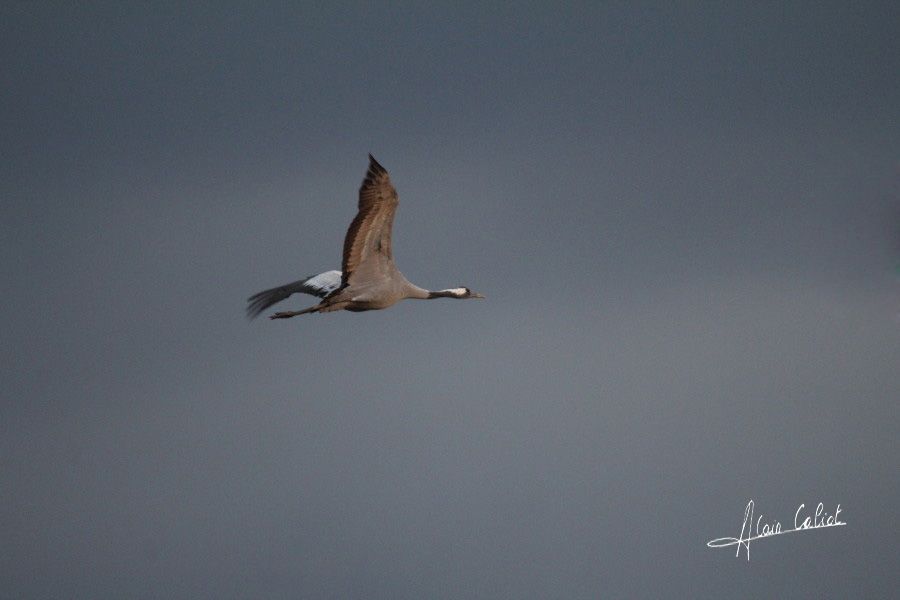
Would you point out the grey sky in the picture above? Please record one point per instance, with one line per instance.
(684, 218)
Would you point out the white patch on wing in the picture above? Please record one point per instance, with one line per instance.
(327, 282)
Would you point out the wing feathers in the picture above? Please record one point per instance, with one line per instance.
(367, 244)
(369, 234)
(318, 285)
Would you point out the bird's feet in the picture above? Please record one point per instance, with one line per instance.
(284, 315)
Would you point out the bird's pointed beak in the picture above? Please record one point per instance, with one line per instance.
(477, 295)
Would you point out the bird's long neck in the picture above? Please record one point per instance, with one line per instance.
(451, 293)
(417, 293)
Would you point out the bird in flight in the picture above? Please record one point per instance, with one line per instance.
(368, 279)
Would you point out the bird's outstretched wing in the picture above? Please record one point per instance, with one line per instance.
(318, 285)
(367, 246)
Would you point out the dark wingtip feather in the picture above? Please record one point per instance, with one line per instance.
(264, 299)
(374, 166)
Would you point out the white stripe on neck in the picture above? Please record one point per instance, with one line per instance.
(456, 291)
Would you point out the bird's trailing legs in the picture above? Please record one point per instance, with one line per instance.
(293, 313)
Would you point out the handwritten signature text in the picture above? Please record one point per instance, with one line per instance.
(754, 530)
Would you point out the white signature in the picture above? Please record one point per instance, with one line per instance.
(753, 531)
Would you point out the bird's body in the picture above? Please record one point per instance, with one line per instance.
(369, 279)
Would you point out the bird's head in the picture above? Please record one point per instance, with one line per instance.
(462, 293)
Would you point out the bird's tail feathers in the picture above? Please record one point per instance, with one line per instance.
(266, 298)
(320, 285)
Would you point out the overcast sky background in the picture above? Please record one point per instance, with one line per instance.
(684, 218)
